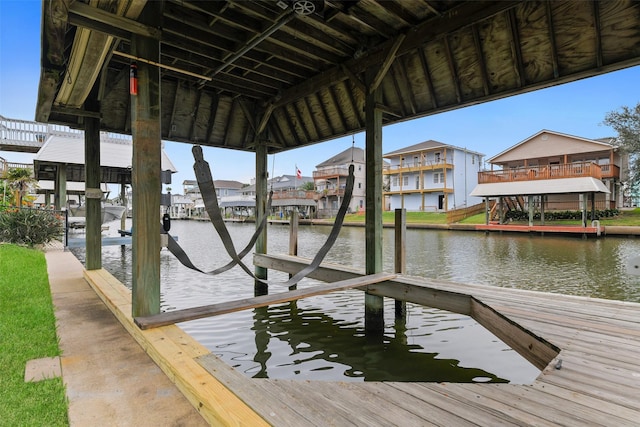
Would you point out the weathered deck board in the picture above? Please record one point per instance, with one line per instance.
(172, 317)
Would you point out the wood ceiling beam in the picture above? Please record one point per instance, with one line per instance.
(516, 46)
(312, 118)
(93, 18)
(427, 76)
(552, 40)
(390, 56)
(337, 108)
(215, 99)
(396, 87)
(481, 62)
(194, 115)
(323, 108)
(398, 12)
(465, 14)
(598, 32)
(452, 68)
(404, 77)
(301, 122)
(173, 109)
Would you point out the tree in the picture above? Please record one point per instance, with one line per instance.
(307, 186)
(626, 122)
(20, 180)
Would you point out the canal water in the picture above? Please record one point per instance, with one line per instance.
(322, 337)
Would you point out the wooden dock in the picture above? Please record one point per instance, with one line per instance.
(587, 349)
(542, 229)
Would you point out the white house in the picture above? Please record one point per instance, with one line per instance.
(432, 177)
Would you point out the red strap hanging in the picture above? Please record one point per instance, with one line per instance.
(133, 79)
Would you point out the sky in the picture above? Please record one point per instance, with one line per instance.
(576, 108)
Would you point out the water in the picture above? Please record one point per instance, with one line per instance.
(322, 338)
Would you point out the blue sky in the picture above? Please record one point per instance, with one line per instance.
(576, 108)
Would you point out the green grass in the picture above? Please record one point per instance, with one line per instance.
(412, 218)
(27, 331)
(625, 218)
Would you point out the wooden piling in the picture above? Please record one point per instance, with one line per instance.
(400, 255)
(146, 171)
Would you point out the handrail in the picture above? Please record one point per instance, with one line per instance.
(569, 170)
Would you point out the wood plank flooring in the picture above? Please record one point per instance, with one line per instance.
(598, 382)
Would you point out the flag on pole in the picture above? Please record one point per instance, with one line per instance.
(298, 172)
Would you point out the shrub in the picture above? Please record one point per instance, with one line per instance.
(30, 226)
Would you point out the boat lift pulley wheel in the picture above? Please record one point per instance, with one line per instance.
(307, 7)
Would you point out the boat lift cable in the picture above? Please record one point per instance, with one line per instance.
(181, 255)
(207, 189)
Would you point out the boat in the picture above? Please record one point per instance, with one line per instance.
(110, 212)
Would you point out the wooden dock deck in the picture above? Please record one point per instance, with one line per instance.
(587, 350)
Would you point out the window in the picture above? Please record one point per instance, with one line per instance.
(435, 177)
(417, 182)
(359, 185)
(395, 181)
(437, 157)
(473, 160)
(405, 181)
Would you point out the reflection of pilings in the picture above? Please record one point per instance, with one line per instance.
(317, 336)
(262, 338)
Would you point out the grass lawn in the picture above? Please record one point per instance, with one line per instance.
(27, 331)
(626, 218)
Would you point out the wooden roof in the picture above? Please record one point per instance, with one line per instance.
(236, 73)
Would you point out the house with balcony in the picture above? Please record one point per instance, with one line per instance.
(554, 171)
(289, 195)
(330, 178)
(225, 189)
(432, 177)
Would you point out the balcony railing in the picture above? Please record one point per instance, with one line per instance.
(331, 192)
(331, 172)
(570, 170)
(610, 171)
(416, 166)
(295, 194)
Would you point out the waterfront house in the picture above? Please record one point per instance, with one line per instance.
(432, 176)
(555, 171)
(330, 179)
(289, 194)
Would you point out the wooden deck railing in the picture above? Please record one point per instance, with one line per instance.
(295, 194)
(570, 170)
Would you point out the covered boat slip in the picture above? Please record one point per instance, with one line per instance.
(586, 350)
(267, 76)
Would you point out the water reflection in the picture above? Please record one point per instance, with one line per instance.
(322, 338)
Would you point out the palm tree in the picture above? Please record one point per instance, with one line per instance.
(20, 180)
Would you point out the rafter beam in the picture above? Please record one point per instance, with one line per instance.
(93, 18)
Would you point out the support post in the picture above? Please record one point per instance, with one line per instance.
(531, 210)
(584, 209)
(487, 211)
(542, 200)
(293, 240)
(374, 313)
(61, 186)
(500, 210)
(93, 193)
(400, 255)
(261, 210)
(593, 206)
(146, 187)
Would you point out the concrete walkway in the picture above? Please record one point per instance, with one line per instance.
(109, 379)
